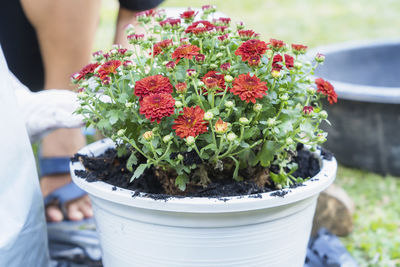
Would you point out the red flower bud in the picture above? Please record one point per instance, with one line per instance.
(184, 40)
(181, 88)
(200, 57)
(191, 72)
(188, 14)
(308, 110)
(170, 65)
(276, 44)
(170, 22)
(106, 80)
(226, 66)
(299, 49)
(223, 37)
(221, 29)
(225, 20)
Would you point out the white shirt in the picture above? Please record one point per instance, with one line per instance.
(23, 235)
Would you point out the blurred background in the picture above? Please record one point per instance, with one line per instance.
(375, 240)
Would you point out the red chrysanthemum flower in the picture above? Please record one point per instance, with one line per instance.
(136, 37)
(190, 122)
(225, 21)
(307, 110)
(97, 53)
(226, 66)
(106, 80)
(206, 7)
(122, 51)
(276, 44)
(220, 126)
(248, 88)
(88, 69)
(326, 88)
(221, 29)
(200, 57)
(146, 13)
(160, 46)
(108, 67)
(213, 80)
(299, 48)
(251, 48)
(150, 12)
(185, 51)
(171, 22)
(170, 65)
(188, 14)
(200, 27)
(184, 40)
(254, 60)
(247, 33)
(157, 106)
(128, 64)
(181, 88)
(191, 72)
(223, 37)
(277, 62)
(156, 84)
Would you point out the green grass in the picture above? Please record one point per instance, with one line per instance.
(376, 237)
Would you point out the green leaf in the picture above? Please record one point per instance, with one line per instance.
(250, 132)
(132, 160)
(244, 144)
(307, 128)
(278, 178)
(209, 97)
(267, 152)
(113, 118)
(214, 111)
(123, 97)
(181, 181)
(104, 124)
(207, 147)
(268, 111)
(139, 171)
(286, 127)
(121, 151)
(180, 73)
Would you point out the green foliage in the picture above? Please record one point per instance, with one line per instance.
(375, 240)
(139, 171)
(260, 125)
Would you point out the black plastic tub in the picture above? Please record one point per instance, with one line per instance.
(365, 130)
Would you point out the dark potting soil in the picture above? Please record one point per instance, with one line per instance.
(111, 169)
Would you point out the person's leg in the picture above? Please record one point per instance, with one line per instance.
(66, 31)
(125, 17)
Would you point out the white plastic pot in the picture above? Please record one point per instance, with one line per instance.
(242, 231)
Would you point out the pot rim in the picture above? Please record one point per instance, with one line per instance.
(200, 204)
(358, 92)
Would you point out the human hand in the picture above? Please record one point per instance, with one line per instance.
(48, 110)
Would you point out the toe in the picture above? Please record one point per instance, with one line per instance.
(54, 214)
(74, 212)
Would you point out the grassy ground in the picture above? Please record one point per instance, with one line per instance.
(376, 237)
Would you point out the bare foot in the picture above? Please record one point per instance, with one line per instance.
(75, 210)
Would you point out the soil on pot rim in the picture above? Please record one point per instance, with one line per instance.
(110, 168)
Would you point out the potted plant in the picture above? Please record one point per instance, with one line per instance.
(212, 157)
